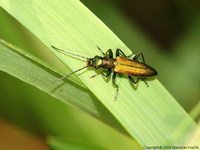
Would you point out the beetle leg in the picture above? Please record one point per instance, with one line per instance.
(101, 50)
(109, 52)
(135, 82)
(113, 80)
(145, 82)
(118, 51)
(132, 80)
(130, 55)
(138, 55)
(108, 72)
(97, 74)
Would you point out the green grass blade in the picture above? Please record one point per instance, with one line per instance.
(195, 112)
(150, 115)
(22, 65)
(41, 75)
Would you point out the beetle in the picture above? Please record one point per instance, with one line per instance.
(121, 65)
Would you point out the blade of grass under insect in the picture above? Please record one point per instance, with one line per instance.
(170, 66)
(12, 53)
(41, 75)
(151, 115)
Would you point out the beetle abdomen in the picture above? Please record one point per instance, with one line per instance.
(133, 68)
(134, 71)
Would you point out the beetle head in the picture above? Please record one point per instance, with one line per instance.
(89, 62)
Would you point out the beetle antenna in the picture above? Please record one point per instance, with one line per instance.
(68, 52)
(70, 74)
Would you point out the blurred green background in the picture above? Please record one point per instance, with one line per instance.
(168, 34)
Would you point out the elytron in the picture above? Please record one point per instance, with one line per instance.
(119, 65)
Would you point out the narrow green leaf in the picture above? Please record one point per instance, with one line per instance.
(41, 75)
(195, 112)
(150, 115)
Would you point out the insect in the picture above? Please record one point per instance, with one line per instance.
(119, 65)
